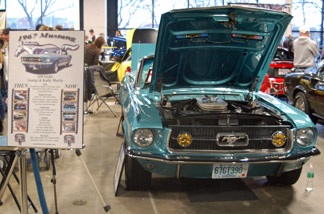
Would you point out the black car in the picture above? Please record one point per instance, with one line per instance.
(306, 90)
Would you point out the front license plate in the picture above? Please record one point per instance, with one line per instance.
(229, 171)
(282, 71)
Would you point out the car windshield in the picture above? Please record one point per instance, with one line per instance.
(282, 54)
(46, 51)
(146, 73)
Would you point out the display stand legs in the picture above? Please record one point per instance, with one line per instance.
(23, 182)
(53, 180)
(11, 163)
(106, 207)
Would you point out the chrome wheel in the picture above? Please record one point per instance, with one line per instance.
(300, 104)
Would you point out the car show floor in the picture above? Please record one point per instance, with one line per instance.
(76, 194)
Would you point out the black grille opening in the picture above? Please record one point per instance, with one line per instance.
(205, 138)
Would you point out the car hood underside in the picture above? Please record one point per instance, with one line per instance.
(217, 46)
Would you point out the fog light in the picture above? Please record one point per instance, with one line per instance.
(184, 139)
(278, 139)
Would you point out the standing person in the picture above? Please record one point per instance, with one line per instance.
(92, 51)
(5, 50)
(92, 35)
(288, 43)
(86, 40)
(305, 50)
(4, 35)
(2, 104)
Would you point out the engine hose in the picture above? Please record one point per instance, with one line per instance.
(38, 181)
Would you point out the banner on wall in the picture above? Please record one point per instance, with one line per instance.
(45, 89)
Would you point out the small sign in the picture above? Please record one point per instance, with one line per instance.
(119, 168)
(45, 89)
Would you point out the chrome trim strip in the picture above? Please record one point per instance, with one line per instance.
(233, 160)
(36, 63)
(243, 126)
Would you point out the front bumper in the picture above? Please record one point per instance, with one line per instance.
(201, 166)
(37, 65)
(183, 159)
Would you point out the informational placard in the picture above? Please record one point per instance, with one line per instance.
(45, 89)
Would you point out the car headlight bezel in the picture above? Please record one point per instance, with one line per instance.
(305, 136)
(143, 137)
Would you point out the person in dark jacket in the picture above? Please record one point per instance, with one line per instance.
(92, 52)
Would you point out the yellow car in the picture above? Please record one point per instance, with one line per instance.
(123, 65)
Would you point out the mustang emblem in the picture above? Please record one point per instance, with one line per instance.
(231, 139)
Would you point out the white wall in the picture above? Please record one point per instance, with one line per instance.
(95, 16)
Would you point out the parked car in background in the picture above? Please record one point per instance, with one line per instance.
(123, 64)
(306, 90)
(281, 64)
(194, 110)
(119, 47)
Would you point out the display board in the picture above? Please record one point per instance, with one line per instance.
(45, 89)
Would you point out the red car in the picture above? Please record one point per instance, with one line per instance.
(280, 65)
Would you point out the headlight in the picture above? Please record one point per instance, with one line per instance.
(305, 136)
(143, 137)
(47, 60)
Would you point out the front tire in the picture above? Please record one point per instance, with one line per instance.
(285, 179)
(302, 104)
(28, 69)
(55, 67)
(136, 177)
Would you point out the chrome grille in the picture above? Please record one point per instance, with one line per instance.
(31, 59)
(204, 138)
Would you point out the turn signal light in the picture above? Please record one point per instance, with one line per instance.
(278, 139)
(184, 139)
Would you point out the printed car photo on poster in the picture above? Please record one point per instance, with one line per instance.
(45, 58)
(69, 106)
(19, 111)
(70, 95)
(69, 127)
(19, 126)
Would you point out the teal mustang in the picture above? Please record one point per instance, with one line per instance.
(194, 109)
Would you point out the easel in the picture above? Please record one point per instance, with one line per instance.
(106, 206)
(20, 156)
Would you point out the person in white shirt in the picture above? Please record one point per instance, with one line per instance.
(305, 50)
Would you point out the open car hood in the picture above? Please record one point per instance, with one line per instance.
(226, 46)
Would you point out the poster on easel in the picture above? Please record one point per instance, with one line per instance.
(45, 89)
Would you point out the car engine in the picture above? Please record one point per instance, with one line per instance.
(212, 110)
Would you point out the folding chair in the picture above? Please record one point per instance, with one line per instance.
(102, 88)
